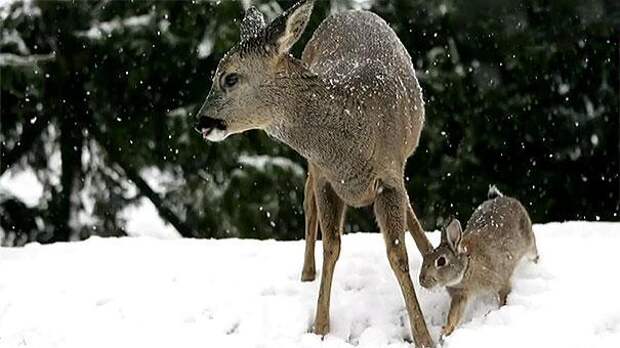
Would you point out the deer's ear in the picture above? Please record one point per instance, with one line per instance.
(287, 28)
(252, 24)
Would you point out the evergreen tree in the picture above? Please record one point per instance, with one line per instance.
(98, 99)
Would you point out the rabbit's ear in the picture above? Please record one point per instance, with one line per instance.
(444, 237)
(453, 235)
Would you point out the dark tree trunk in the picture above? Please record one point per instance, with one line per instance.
(70, 110)
(70, 149)
(132, 174)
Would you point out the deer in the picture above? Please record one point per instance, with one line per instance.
(351, 106)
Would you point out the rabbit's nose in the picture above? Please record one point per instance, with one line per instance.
(423, 280)
(426, 281)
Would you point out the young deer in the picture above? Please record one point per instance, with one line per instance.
(351, 106)
(481, 259)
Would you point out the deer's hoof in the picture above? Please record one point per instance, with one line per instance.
(321, 329)
(308, 275)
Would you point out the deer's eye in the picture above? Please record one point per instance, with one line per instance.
(441, 261)
(229, 80)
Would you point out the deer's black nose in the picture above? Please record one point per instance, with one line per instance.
(207, 123)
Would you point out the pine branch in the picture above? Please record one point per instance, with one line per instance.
(10, 59)
(133, 175)
(29, 136)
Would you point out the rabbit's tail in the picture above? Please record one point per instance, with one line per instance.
(533, 254)
(494, 192)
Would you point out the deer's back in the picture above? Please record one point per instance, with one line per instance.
(360, 56)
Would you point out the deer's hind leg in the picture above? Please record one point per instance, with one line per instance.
(331, 210)
(417, 232)
(308, 272)
(390, 210)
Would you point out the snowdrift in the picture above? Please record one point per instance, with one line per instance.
(143, 292)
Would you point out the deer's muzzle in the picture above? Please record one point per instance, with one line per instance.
(206, 125)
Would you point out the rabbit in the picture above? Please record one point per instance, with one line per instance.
(481, 259)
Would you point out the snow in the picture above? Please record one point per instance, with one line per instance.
(161, 181)
(12, 37)
(142, 219)
(24, 7)
(259, 162)
(103, 29)
(205, 48)
(22, 184)
(146, 292)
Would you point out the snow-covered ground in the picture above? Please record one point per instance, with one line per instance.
(145, 292)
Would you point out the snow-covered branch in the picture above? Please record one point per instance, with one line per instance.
(10, 59)
(104, 29)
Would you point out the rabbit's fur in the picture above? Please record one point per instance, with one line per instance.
(481, 259)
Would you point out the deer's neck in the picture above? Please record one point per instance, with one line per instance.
(315, 122)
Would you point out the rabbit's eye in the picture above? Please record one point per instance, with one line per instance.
(441, 261)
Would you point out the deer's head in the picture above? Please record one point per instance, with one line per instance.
(251, 80)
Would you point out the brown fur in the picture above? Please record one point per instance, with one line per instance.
(352, 107)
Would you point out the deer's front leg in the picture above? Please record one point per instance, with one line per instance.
(331, 215)
(390, 209)
(308, 272)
